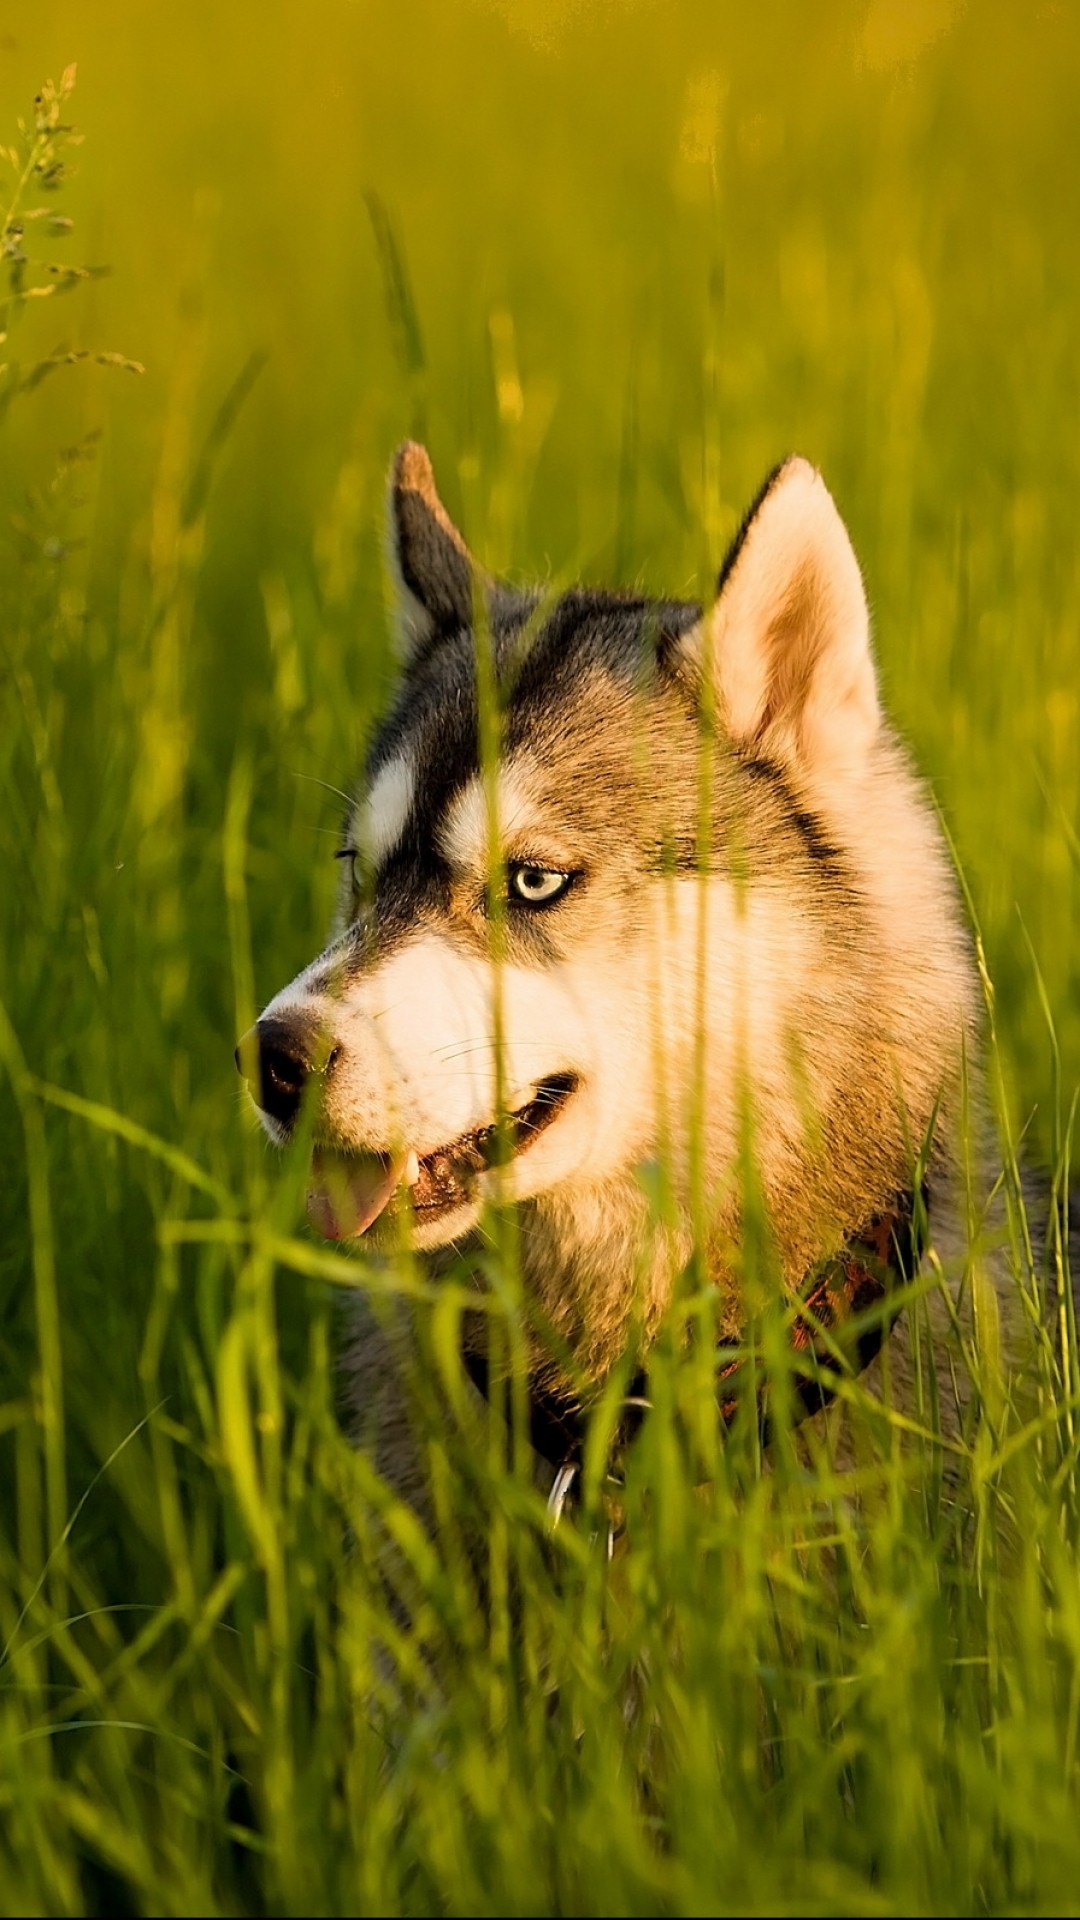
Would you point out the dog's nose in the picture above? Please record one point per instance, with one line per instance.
(275, 1060)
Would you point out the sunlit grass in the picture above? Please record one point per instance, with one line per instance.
(627, 269)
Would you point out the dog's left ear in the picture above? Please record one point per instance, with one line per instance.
(433, 569)
(788, 637)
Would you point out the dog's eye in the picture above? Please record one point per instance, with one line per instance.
(351, 854)
(538, 886)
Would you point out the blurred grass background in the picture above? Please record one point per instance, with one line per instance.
(611, 261)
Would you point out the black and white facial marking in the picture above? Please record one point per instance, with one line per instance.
(441, 1075)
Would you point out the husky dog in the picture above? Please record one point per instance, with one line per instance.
(694, 886)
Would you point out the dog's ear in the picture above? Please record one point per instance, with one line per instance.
(433, 570)
(788, 636)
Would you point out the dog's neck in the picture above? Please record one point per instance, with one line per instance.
(838, 1322)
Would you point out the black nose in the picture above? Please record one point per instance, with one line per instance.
(275, 1060)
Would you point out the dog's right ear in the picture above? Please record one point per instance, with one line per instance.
(788, 636)
(433, 569)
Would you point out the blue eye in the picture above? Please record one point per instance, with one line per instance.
(538, 886)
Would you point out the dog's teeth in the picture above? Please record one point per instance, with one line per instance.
(412, 1170)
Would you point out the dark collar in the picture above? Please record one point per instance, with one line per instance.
(877, 1263)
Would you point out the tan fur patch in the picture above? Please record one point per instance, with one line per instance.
(463, 835)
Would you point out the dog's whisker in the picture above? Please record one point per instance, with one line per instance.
(315, 781)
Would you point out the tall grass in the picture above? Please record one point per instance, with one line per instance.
(631, 256)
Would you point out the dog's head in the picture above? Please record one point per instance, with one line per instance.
(545, 882)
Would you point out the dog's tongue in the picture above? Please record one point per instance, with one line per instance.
(347, 1194)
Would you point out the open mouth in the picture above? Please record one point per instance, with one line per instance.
(350, 1191)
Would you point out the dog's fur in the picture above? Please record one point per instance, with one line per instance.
(758, 929)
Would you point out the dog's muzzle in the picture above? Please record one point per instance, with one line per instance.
(353, 1184)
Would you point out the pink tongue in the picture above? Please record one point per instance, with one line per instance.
(346, 1195)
